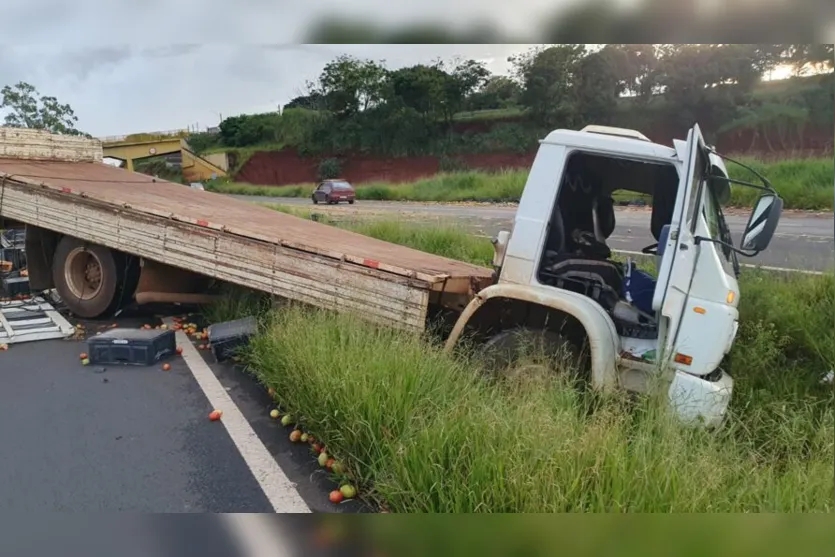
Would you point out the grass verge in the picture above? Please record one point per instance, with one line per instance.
(421, 432)
(803, 183)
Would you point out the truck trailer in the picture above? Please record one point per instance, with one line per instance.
(104, 237)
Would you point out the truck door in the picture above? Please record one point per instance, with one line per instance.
(677, 267)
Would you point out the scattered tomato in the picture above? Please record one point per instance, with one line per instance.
(348, 491)
(82, 356)
(295, 436)
(286, 420)
(85, 362)
(317, 447)
(166, 367)
(336, 496)
(202, 347)
(274, 414)
(323, 459)
(304, 438)
(4, 347)
(329, 464)
(215, 415)
(271, 391)
(179, 350)
(338, 468)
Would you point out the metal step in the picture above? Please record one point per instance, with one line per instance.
(31, 320)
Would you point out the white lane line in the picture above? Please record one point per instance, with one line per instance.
(278, 488)
(747, 265)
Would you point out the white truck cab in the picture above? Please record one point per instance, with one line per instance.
(674, 324)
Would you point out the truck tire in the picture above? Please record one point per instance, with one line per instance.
(93, 281)
(502, 350)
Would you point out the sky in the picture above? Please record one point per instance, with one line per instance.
(133, 66)
(116, 90)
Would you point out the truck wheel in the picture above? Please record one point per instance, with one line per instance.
(522, 351)
(92, 280)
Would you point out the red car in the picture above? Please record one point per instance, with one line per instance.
(334, 191)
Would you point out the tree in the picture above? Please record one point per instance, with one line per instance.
(349, 85)
(597, 86)
(499, 91)
(547, 77)
(313, 101)
(810, 58)
(28, 109)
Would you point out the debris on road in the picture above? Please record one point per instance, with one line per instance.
(33, 319)
(141, 347)
(225, 339)
(215, 415)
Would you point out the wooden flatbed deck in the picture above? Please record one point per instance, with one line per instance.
(230, 239)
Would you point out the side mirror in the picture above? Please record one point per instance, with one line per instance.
(762, 224)
(500, 247)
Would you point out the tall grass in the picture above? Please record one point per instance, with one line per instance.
(424, 433)
(803, 184)
(438, 238)
(421, 431)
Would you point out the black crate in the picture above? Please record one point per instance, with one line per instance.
(226, 338)
(15, 285)
(136, 347)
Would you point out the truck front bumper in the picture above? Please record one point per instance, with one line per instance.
(700, 401)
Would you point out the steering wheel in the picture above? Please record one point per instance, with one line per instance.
(651, 250)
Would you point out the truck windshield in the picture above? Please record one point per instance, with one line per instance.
(718, 229)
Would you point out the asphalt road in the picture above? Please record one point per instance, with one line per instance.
(85, 438)
(801, 241)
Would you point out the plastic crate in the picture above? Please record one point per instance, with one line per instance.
(226, 338)
(136, 347)
(15, 285)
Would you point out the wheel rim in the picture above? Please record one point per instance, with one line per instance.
(83, 274)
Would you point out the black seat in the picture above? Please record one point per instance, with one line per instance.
(578, 261)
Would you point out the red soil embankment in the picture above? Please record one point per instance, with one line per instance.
(278, 168)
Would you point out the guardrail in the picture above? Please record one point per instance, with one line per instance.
(166, 133)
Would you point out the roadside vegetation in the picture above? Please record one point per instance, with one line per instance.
(420, 431)
(803, 184)
(446, 107)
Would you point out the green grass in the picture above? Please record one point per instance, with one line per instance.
(437, 238)
(803, 184)
(420, 431)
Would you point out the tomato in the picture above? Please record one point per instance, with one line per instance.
(336, 496)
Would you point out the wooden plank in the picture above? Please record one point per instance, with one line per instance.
(118, 187)
(273, 268)
(20, 143)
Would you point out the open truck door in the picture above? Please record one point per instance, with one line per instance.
(679, 255)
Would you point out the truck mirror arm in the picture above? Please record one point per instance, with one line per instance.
(699, 239)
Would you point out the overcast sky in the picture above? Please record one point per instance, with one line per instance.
(120, 90)
(189, 61)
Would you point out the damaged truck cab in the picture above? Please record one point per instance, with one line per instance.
(556, 277)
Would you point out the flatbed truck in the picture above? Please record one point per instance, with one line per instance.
(104, 237)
